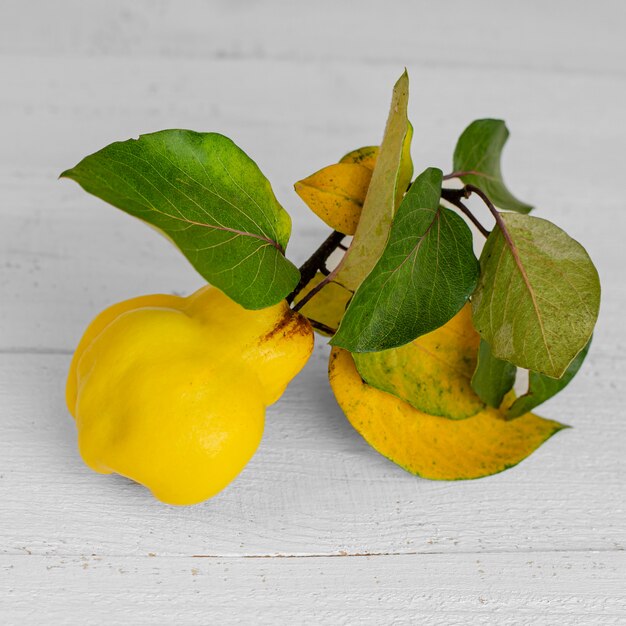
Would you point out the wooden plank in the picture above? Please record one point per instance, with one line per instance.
(503, 589)
(559, 36)
(314, 486)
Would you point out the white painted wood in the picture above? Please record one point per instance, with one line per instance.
(314, 486)
(297, 86)
(533, 35)
(438, 589)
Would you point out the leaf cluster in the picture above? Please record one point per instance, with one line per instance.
(409, 270)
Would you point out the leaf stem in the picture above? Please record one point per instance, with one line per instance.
(463, 173)
(317, 261)
(496, 214)
(316, 289)
(453, 196)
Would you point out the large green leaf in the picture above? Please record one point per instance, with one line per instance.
(538, 296)
(209, 198)
(424, 277)
(542, 388)
(479, 149)
(493, 378)
(391, 176)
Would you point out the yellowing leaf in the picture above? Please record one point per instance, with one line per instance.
(336, 194)
(368, 155)
(381, 200)
(365, 156)
(434, 447)
(328, 306)
(538, 296)
(405, 174)
(432, 373)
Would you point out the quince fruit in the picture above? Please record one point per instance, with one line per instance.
(171, 392)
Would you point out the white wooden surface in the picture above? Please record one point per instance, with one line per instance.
(296, 85)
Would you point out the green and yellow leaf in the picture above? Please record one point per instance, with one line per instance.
(365, 156)
(434, 447)
(433, 372)
(538, 296)
(380, 203)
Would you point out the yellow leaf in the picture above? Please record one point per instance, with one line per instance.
(405, 174)
(365, 156)
(434, 447)
(432, 373)
(328, 306)
(336, 194)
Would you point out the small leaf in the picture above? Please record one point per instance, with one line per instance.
(479, 149)
(542, 388)
(328, 305)
(336, 194)
(434, 447)
(380, 203)
(431, 373)
(493, 378)
(538, 296)
(365, 156)
(424, 277)
(210, 199)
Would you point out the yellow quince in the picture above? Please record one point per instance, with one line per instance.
(171, 392)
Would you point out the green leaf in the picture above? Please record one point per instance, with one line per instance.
(424, 277)
(538, 296)
(542, 388)
(479, 149)
(390, 179)
(209, 198)
(493, 378)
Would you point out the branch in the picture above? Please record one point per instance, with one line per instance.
(496, 214)
(316, 289)
(317, 261)
(453, 196)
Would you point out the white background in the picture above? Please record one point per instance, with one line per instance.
(297, 85)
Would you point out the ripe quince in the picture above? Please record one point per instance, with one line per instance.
(171, 392)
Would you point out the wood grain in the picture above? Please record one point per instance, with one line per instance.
(438, 589)
(314, 486)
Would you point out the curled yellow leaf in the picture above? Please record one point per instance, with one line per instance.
(429, 446)
(432, 373)
(365, 156)
(336, 194)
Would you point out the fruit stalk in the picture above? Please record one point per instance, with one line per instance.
(317, 261)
